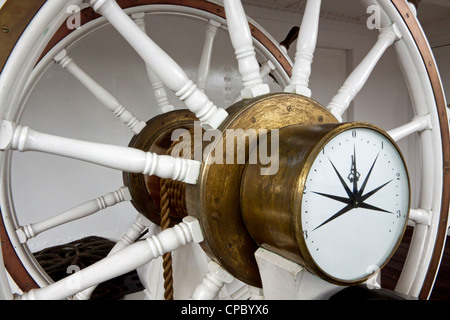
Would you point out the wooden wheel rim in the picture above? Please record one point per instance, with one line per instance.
(407, 16)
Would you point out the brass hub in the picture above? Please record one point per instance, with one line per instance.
(156, 138)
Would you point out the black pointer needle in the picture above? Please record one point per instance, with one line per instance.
(371, 207)
(337, 198)
(371, 193)
(367, 178)
(336, 215)
(354, 171)
(347, 189)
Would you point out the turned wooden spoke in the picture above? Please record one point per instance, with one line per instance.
(132, 234)
(83, 210)
(205, 61)
(420, 216)
(418, 124)
(306, 45)
(212, 283)
(356, 80)
(122, 261)
(266, 68)
(126, 159)
(110, 102)
(158, 87)
(162, 64)
(242, 42)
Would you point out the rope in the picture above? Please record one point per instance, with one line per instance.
(167, 257)
(172, 201)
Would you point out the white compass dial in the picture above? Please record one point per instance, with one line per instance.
(355, 204)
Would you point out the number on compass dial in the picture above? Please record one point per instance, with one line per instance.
(356, 204)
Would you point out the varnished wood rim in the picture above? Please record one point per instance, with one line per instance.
(15, 267)
(89, 14)
(15, 15)
(430, 64)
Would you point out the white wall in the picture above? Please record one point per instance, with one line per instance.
(45, 185)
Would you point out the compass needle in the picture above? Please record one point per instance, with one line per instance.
(347, 189)
(371, 193)
(337, 198)
(370, 207)
(336, 215)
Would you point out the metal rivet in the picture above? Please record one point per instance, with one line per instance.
(4, 29)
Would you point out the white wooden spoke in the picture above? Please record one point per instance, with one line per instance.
(242, 42)
(158, 87)
(212, 283)
(356, 80)
(306, 45)
(162, 64)
(205, 60)
(105, 97)
(121, 262)
(266, 68)
(420, 216)
(15, 137)
(132, 234)
(418, 124)
(83, 210)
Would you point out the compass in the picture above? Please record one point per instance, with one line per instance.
(339, 204)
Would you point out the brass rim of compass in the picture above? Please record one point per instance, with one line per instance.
(297, 200)
(215, 200)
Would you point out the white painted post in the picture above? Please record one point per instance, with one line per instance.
(158, 87)
(306, 45)
(356, 80)
(162, 64)
(242, 42)
(126, 159)
(108, 100)
(212, 283)
(283, 279)
(205, 60)
(83, 210)
(121, 262)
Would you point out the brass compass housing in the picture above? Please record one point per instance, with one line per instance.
(273, 206)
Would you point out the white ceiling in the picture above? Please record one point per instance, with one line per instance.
(351, 11)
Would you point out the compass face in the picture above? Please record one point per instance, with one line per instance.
(355, 204)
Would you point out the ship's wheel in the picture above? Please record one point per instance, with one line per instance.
(226, 185)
